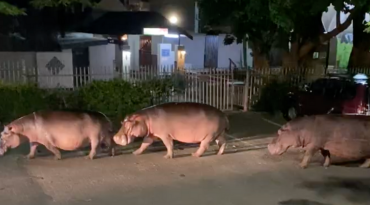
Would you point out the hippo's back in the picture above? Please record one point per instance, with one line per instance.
(186, 122)
(349, 135)
(186, 108)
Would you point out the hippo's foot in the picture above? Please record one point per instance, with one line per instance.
(58, 157)
(195, 154)
(366, 164)
(326, 164)
(168, 156)
(30, 156)
(137, 152)
(303, 165)
(90, 157)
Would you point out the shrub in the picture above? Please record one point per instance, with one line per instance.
(19, 100)
(272, 96)
(115, 98)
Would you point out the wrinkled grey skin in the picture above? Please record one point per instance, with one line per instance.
(66, 130)
(184, 122)
(344, 136)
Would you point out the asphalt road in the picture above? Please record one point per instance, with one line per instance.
(246, 175)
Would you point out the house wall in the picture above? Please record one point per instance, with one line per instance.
(102, 61)
(18, 59)
(55, 69)
(14, 64)
(134, 43)
(194, 49)
(233, 52)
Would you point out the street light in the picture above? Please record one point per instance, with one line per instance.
(173, 19)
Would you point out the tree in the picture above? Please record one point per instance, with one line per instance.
(277, 23)
(12, 10)
(35, 24)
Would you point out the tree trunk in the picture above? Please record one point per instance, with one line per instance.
(360, 56)
(260, 60)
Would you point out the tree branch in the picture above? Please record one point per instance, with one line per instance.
(327, 36)
(338, 18)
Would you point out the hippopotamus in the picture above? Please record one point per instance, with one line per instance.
(63, 129)
(186, 122)
(343, 136)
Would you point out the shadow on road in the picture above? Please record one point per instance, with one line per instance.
(356, 190)
(300, 202)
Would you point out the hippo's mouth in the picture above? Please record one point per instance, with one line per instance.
(275, 149)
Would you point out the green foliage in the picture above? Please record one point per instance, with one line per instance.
(11, 10)
(39, 4)
(367, 29)
(18, 100)
(272, 96)
(116, 98)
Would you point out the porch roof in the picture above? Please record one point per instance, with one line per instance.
(120, 23)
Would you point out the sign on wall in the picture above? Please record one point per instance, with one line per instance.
(155, 31)
(54, 69)
(165, 52)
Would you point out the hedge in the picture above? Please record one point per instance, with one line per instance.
(115, 98)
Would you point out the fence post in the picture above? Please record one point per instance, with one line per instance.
(246, 92)
(232, 89)
(24, 72)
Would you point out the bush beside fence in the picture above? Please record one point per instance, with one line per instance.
(116, 98)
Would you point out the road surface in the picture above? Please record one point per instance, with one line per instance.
(246, 175)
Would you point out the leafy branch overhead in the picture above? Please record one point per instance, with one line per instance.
(13, 10)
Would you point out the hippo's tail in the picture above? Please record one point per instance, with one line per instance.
(109, 122)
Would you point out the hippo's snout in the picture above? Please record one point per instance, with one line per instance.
(274, 149)
(122, 140)
(277, 148)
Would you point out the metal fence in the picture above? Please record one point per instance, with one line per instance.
(225, 89)
(210, 86)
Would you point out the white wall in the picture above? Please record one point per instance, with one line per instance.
(134, 43)
(102, 61)
(55, 69)
(233, 51)
(14, 64)
(155, 41)
(17, 59)
(194, 50)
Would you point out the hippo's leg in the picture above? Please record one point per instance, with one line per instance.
(33, 148)
(168, 142)
(221, 142)
(202, 147)
(144, 145)
(366, 164)
(112, 148)
(94, 143)
(326, 155)
(54, 150)
(307, 157)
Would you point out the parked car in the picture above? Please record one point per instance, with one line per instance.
(332, 94)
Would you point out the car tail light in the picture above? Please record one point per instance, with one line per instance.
(362, 109)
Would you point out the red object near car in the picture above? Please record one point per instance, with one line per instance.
(335, 95)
